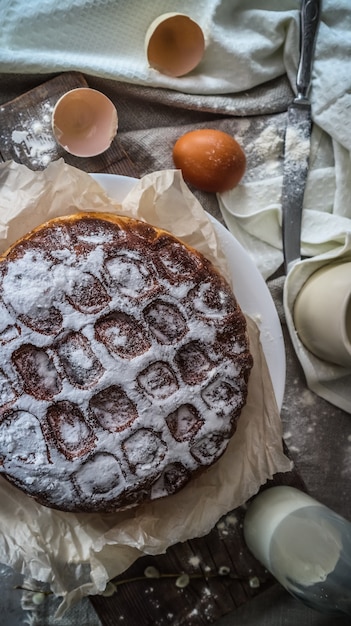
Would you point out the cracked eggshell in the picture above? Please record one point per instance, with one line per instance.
(174, 44)
(84, 122)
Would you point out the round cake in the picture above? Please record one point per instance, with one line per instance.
(124, 363)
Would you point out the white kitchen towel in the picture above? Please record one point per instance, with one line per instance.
(248, 43)
(252, 210)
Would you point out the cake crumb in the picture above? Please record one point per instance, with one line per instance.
(194, 561)
(308, 398)
(232, 520)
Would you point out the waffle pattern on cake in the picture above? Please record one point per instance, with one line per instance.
(125, 363)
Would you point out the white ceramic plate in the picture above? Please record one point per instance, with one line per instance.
(248, 284)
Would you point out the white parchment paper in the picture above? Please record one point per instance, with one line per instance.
(78, 554)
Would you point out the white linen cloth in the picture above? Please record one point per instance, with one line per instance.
(248, 43)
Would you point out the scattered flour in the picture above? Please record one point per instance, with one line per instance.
(308, 398)
(269, 143)
(35, 139)
(346, 461)
(232, 520)
(296, 145)
(37, 128)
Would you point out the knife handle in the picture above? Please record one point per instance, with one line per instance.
(309, 21)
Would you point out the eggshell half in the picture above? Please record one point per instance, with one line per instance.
(84, 122)
(174, 44)
(209, 159)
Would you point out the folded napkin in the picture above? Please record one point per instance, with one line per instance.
(252, 210)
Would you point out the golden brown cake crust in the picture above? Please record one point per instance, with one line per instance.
(125, 362)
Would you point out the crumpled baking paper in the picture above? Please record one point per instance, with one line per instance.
(77, 554)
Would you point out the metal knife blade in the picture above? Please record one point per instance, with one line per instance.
(297, 138)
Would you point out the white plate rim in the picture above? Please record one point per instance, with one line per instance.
(248, 284)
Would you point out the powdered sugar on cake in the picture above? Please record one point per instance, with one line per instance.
(121, 376)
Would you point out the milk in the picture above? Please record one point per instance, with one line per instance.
(305, 545)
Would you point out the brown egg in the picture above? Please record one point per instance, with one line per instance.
(209, 159)
(174, 44)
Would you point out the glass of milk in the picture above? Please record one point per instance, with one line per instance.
(305, 545)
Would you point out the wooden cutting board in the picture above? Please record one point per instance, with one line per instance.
(26, 135)
(223, 574)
